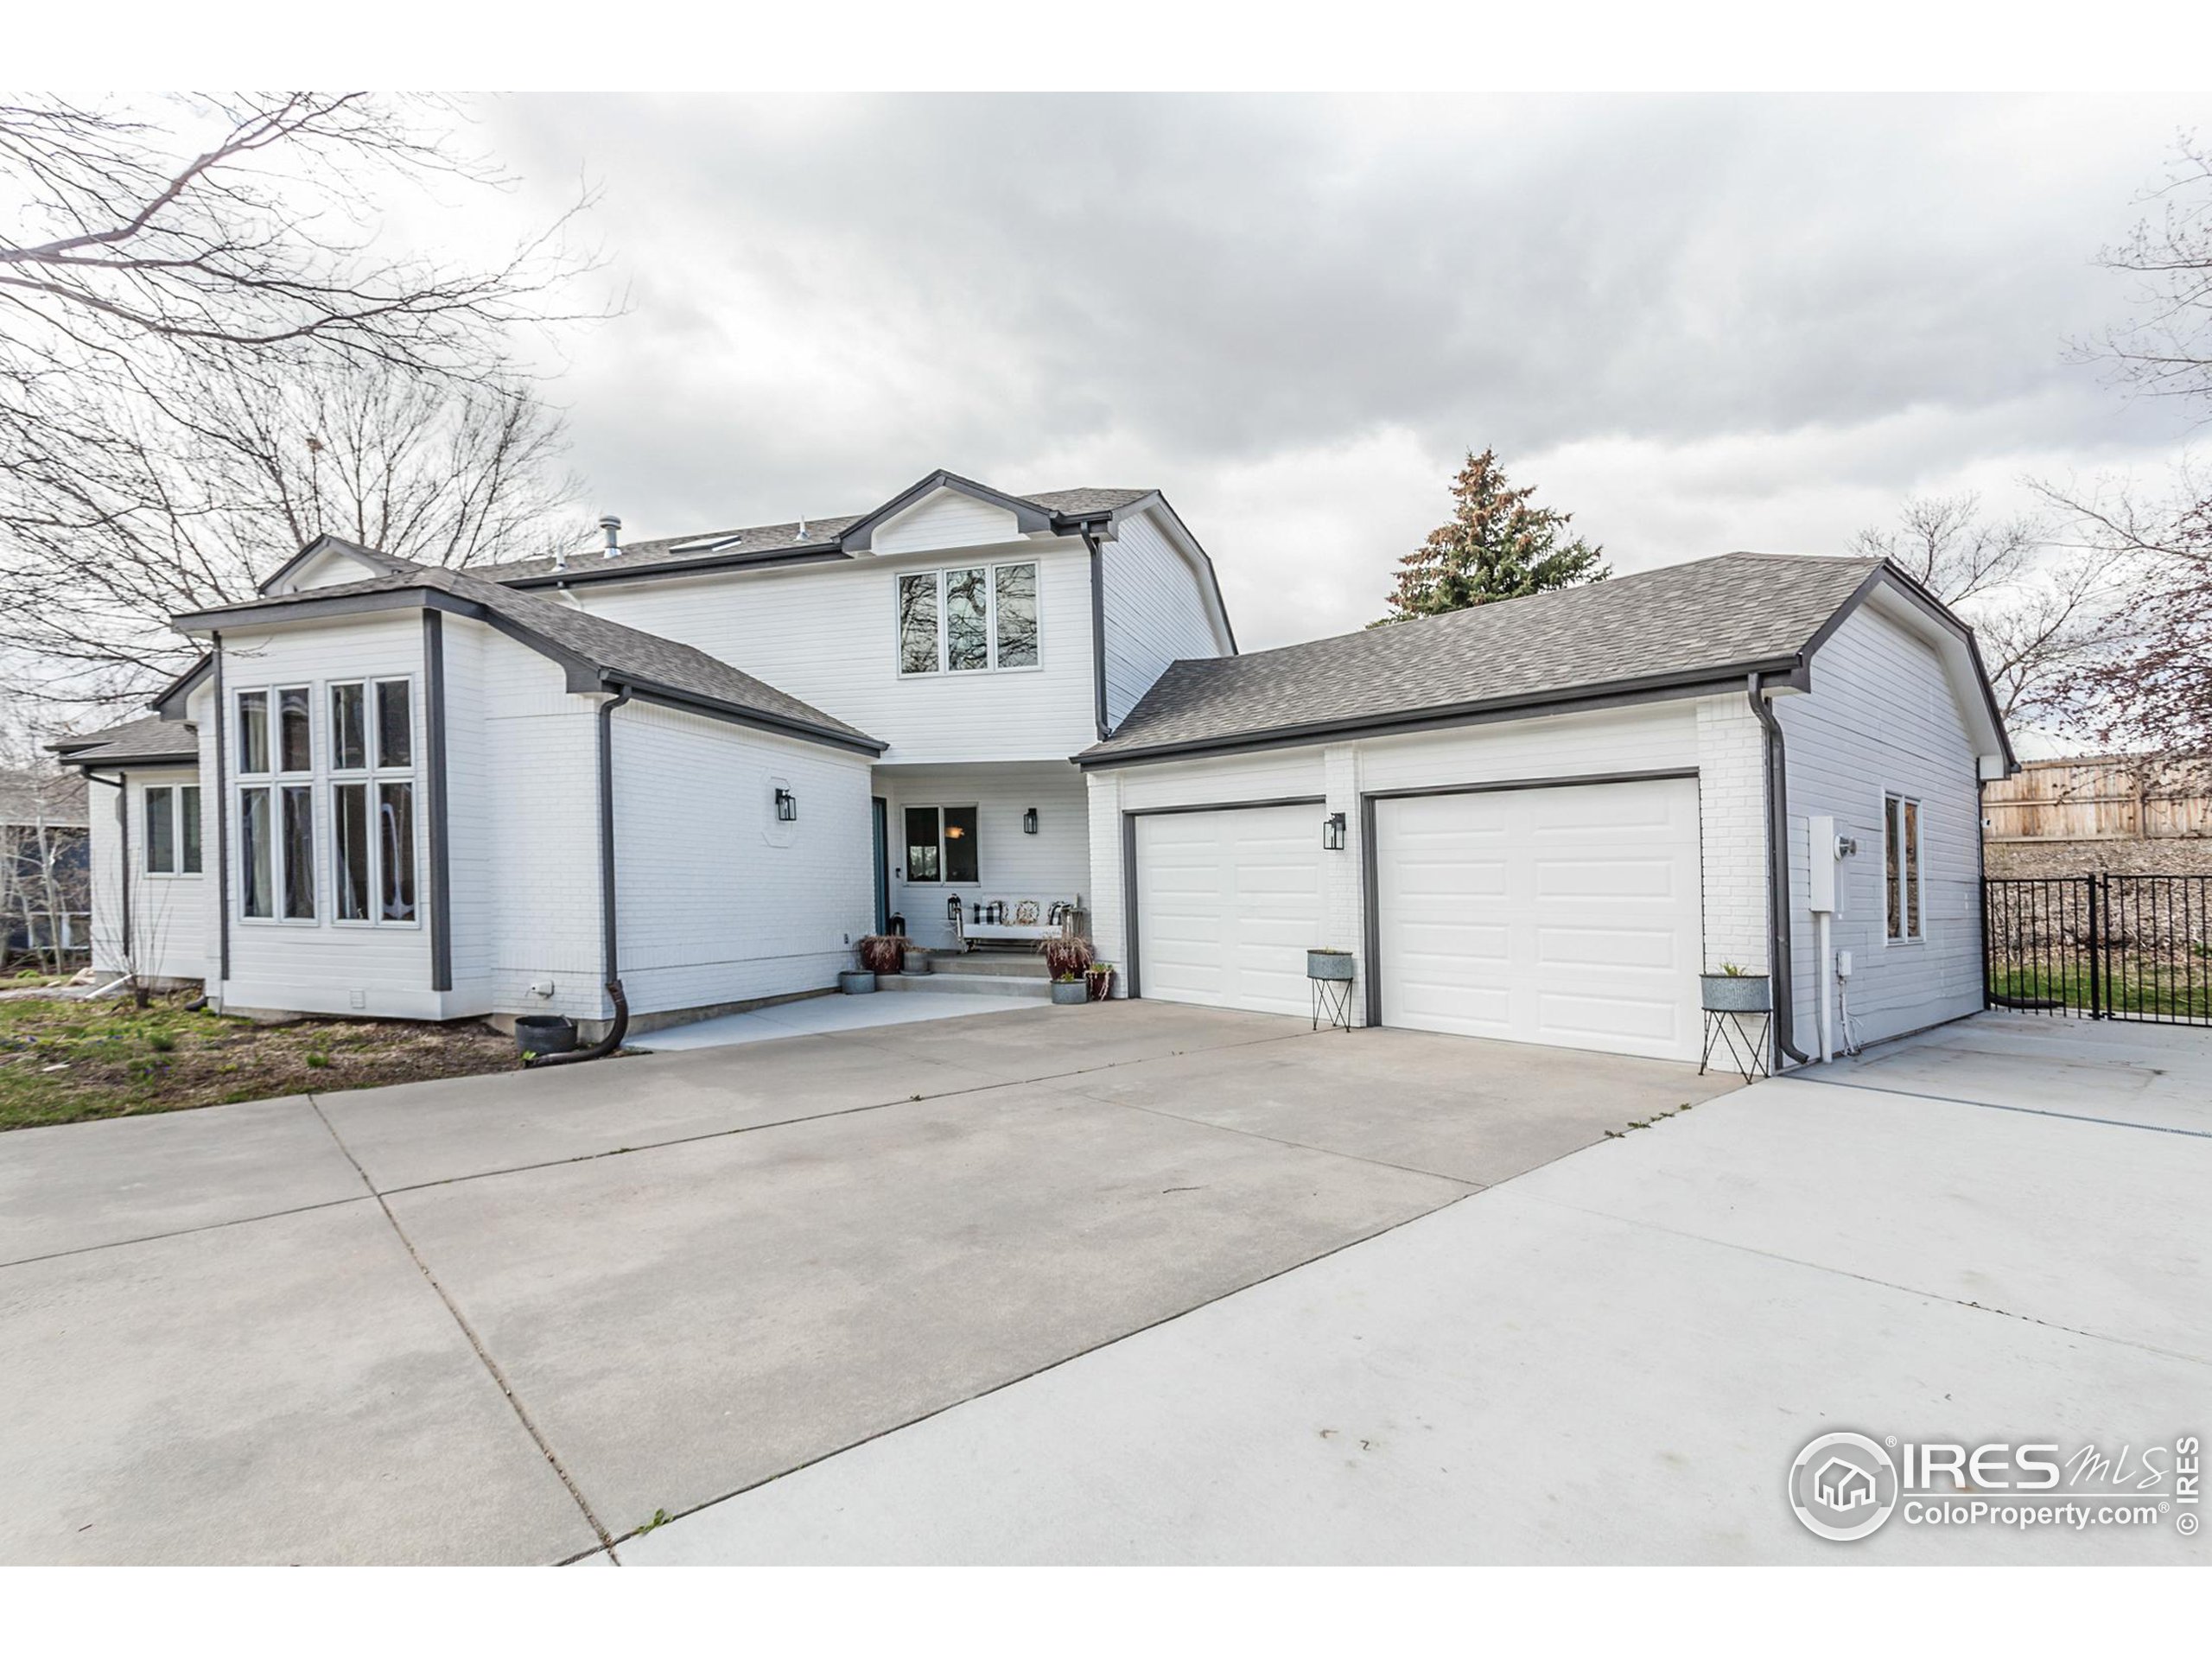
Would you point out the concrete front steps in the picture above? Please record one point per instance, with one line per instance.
(977, 973)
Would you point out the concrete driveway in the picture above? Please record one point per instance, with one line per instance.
(1993, 1232)
(512, 1319)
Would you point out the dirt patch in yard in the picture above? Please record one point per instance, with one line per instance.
(64, 1062)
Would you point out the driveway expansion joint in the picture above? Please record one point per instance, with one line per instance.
(476, 1342)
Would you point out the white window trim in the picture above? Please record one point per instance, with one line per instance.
(1918, 866)
(319, 781)
(991, 568)
(940, 882)
(176, 833)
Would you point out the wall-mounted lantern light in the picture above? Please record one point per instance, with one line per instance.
(1029, 821)
(787, 807)
(1332, 832)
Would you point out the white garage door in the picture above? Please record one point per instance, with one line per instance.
(1228, 904)
(1567, 916)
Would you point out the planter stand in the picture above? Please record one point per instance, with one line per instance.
(1331, 971)
(1746, 1052)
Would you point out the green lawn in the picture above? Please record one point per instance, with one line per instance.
(63, 1062)
(2137, 987)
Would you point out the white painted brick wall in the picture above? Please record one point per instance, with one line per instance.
(1731, 822)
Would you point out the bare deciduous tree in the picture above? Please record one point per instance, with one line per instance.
(2165, 349)
(206, 358)
(2038, 610)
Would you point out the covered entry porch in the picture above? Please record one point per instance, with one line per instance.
(978, 836)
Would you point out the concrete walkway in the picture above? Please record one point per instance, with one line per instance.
(1993, 1232)
(814, 1015)
(511, 1317)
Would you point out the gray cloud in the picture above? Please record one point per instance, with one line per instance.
(1698, 323)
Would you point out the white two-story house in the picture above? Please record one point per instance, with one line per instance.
(667, 778)
(701, 767)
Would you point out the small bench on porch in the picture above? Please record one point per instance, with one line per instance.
(1024, 922)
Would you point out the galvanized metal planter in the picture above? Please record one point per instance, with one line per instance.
(858, 983)
(1737, 993)
(1068, 992)
(1328, 964)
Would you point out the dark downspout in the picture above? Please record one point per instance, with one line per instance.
(1777, 871)
(222, 832)
(620, 1026)
(1098, 630)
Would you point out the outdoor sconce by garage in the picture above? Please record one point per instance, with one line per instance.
(1029, 821)
(1332, 832)
(787, 807)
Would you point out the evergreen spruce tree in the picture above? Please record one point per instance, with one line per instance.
(1497, 546)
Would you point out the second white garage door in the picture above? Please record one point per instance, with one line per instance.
(1228, 904)
(1568, 916)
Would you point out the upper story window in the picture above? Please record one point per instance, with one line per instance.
(970, 618)
(1901, 865)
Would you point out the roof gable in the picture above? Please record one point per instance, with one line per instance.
(330, 561)
(945, 510)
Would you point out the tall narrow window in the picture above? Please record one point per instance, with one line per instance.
(349, 732)
(257, 856)
(295, 730)
(960, 860)
(1016, 617)
(396, 849)
(922, 862)
(161, 830)
(253, 731)
(394, 724)
(918, 624)
(1901, 866)
(967, 621)
(187, 818)
(353, 849)
(299, 853)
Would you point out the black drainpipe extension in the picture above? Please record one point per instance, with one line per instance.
(1098, 628)
(620, 1026)
(1777, 870)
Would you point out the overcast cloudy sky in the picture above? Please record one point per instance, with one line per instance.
(1698, 323)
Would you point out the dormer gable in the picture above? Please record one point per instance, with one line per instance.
(945, 510)
(326, 562)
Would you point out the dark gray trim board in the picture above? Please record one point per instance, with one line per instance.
(433, 789)
(1131, 966)
(1783, 671)
(222, 824)
(1370, 875)
(1099, 632)
(646, 691)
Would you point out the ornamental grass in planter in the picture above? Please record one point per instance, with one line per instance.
(884, 953)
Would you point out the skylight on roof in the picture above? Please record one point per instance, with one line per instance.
(707, 543)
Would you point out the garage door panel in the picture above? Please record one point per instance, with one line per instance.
(1228, 904)
(1578, 924)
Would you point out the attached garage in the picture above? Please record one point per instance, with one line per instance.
(1551, 814)
(1228, 903)
(1563, 915)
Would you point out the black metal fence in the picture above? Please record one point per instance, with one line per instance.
(2100, 947)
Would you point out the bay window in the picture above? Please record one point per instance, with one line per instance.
(968, 620)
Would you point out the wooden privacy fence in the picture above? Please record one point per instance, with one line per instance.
(2099, 797)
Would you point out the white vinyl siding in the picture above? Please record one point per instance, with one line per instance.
(1155, 611)
(943, 519)
(169, 915)
(1569, 917)
(1881, 721)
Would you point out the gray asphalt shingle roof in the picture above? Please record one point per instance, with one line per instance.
(624, 653)
(1720, 615)
(767, 541)
(148, 739)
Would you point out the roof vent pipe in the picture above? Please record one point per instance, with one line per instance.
(613, 526)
